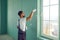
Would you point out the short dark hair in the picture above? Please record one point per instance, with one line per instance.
(20, 12)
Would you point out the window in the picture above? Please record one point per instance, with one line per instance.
(50, 19)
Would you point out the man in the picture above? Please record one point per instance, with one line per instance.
(22, 24)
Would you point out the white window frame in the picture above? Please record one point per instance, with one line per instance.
(42, 28)
(39, 19)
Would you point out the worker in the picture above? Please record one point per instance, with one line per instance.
(22, 24)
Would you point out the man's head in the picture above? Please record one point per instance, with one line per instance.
(21, 14)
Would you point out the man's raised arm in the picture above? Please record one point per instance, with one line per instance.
(31, 15)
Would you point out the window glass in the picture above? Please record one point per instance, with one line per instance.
(45, 2)
(50, 18)
(53, 2)
(54, 12)
(46, 13)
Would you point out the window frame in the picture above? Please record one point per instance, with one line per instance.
(40, 4)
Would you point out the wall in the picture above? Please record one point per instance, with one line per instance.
(3, 16)
(0, 16)
(26, 5)
(13, 7)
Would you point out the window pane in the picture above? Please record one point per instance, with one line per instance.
(46, 27)
(45, 2)
(54, 28)
(50, 28)
(54, 12)
(54, 2)
(46, 13)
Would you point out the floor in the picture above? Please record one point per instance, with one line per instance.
(5, 37)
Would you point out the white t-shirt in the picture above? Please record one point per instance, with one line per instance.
(22, 23)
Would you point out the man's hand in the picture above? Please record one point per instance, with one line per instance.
(34, 10)
(30, 16)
